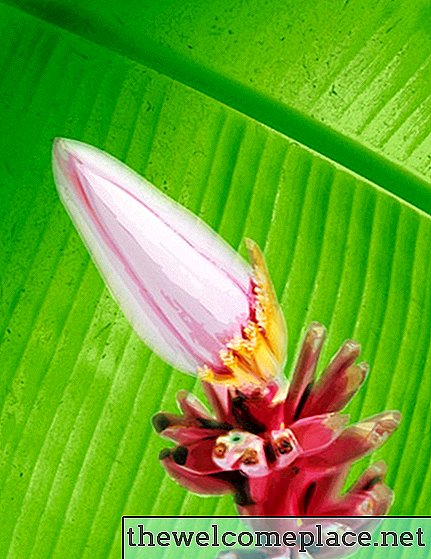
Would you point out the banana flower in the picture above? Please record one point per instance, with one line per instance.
(281, 449)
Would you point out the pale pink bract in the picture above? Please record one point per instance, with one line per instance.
(183, 289)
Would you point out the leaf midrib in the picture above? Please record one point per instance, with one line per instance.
(285, 119)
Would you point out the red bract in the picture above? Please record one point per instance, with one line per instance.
(282, 452)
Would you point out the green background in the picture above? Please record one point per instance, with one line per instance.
(293, 123)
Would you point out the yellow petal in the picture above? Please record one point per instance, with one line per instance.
(268, 312)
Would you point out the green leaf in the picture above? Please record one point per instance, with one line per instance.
(234, 129)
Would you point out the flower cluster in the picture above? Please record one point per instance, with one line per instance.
(280, 448)
(282, 453)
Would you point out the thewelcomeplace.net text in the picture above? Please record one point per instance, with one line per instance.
(302, 540)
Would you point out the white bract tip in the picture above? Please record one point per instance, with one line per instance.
(185, 291)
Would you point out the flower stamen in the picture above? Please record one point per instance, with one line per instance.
(258, 355)
(220, 450)
(250, 457)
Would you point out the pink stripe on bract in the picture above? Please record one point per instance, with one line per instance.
(185, 239)
(77, 181)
